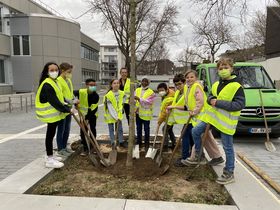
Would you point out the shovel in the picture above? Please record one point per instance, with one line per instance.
(200, 152)
(159, 157)
(113, 154)
(90, 154)
(94, 142)
(135, 152)
(268, 144)
(151, 153)
(166, 168)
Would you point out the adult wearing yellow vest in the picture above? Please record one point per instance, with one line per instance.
(125, 86)
(167, 96)
(63, 127)
(88, 105)
(179, 116)
(51, 109)
(144, 97)
(227, 100)
(113, 107)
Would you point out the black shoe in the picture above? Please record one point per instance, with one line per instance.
(147, 145)
(216, 161)
(123, 144)
(165, 148)
(171, 146)
(178, 163)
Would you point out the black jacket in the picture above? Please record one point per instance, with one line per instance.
(48, 95)
(238, 101)
(93, 98)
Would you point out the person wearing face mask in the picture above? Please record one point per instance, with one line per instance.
(88, 105)
(167, 96)
(144, 97)
(226, 101)
(51, 109)
(63, 128)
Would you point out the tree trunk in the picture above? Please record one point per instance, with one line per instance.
(129, 161)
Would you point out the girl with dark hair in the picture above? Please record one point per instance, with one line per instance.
(50, 108)
(113, 107)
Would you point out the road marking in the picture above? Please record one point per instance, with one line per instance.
(28, 131)
(262, 185)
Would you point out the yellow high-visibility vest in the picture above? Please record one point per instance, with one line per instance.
(83, 97)
(45, 112)
(223, 120)
(117, 105)
(126, 90)
(145, 113)
(67, 89)
(178, 116)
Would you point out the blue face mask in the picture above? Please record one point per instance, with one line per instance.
(92, 88)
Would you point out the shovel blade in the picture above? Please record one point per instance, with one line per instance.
(93, 160)
(159, 160)
(153, 153)
(105, 162)
(149, 153)
(113, 157)
(135, 152)
(270, 146)
(165, 169)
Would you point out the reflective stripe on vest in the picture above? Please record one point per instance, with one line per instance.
(45, 112)
(223, 120)
(179, 116)
(117, 105)
(83, 97)
(126, 90)
(145, 113)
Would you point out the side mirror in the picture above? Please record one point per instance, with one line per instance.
(205, 89)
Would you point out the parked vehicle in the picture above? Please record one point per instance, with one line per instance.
(254, 80)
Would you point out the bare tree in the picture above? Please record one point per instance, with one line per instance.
(212, 33)
(256, 33)
(189, 55)
(153, 24)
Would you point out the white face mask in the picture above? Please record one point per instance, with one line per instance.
(162, 93)
(53, 74)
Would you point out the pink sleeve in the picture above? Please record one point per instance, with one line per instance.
(148, 101)
(199, 98)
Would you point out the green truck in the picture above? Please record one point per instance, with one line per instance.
(254, 79)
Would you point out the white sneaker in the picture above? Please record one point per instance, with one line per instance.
(55, 156)
(51, 162)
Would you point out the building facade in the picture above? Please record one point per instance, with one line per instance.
(31, 36)
(111, 61)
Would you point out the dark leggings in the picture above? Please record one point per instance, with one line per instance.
(51, 129)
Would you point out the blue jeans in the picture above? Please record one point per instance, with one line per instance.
(111, 132)
(139, 125)
(187, 142)
(63, 131)
(227, 141)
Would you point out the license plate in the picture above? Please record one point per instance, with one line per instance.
(259, 130)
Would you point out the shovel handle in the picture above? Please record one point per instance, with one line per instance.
(264, 117)
(164, 133)
(156, 134)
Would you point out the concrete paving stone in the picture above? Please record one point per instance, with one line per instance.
(161, 205)
(35, 202)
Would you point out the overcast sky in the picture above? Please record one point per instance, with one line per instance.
(92, 25)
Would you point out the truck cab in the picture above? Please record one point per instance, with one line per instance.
(255, 81)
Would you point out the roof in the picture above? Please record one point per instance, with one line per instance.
(235, 64)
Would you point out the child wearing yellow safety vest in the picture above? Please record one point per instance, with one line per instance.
(227, 99)
(51, 109)
(113, 107)
(167, 96)
(196, 104)
(144, 97)
(88, 105)
(63, 127)
(180, 116)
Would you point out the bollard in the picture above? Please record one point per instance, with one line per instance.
(26, 104)
(10, 105)
(31, 101)
(21, 107)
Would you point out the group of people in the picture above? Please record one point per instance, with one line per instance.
(188, 105)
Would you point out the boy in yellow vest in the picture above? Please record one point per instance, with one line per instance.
(227, 100)
(144, 97)
(179, 116)
(125, 86)
(88, 105)
(167, 96)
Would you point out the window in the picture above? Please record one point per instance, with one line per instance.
(90, 74)
(2, 72)
(21, 45)
(89, 53)
(1, 30)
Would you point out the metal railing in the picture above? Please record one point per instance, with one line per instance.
(14, 102)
